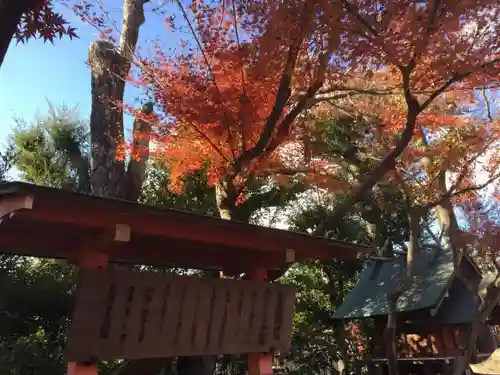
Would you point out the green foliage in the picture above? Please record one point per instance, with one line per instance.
(35, 305)
(196, 197)
(35, 311)
(320, 287)
(6, 158)
(54, 151)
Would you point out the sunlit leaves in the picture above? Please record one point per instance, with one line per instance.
(43, 22)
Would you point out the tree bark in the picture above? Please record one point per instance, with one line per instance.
(450, 233)
(404, 285)
(136, 170)
(110, 67)
(448, 225)
(106, 120)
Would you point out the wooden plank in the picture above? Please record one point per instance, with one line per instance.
(188, 310)
(154, 313)
(256, 317)
(231, 327)
(266, 329)
(202, 318)
(171, 314)
(115, 338)
(130, 315)
(283, 318)
(215, 311)
(244, 315)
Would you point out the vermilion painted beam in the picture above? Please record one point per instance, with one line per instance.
(186, 226)
(139, 251)
(88, 260)
(260, 364)
(79, 369)
(168, 229)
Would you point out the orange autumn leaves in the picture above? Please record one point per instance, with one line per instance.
(218, 92)
(214, 115)
(464, 147)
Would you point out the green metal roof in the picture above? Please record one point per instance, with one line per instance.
(459, 306)
(434, 268)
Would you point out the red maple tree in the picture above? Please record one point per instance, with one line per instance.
(241, 92)
(230, 105)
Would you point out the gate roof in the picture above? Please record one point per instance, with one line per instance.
(46, 222)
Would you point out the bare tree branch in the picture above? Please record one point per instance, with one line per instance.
(385, 165)
(200, 46)
(284, 92)
(455, 78)
(489, 113)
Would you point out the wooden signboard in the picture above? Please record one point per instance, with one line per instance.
(131, 315)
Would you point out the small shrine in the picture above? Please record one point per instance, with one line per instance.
(124, 314)
(433, 314)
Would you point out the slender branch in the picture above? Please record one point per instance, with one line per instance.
(200, 46)
(487, 104)
(351, 9)
(386, 91)
(469, 189)
(468, 164)
(287, 171)
(436, 239)
(245, 97)
(324, 97)
(282, 96)
(212, 144)
(455, 78)
(420, 47)
(385, 165)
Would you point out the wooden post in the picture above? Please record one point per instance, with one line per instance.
(88, 260)
(259, 363)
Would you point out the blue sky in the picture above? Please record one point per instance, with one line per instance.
(35, 72)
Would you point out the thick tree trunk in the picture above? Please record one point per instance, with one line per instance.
(225, 196)
(10, 16)
(484, 311)
(226, 204)
(405, 284)
(106, 120)
(450, 233)
(449, 230)
(136, 170)
(110, 67)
